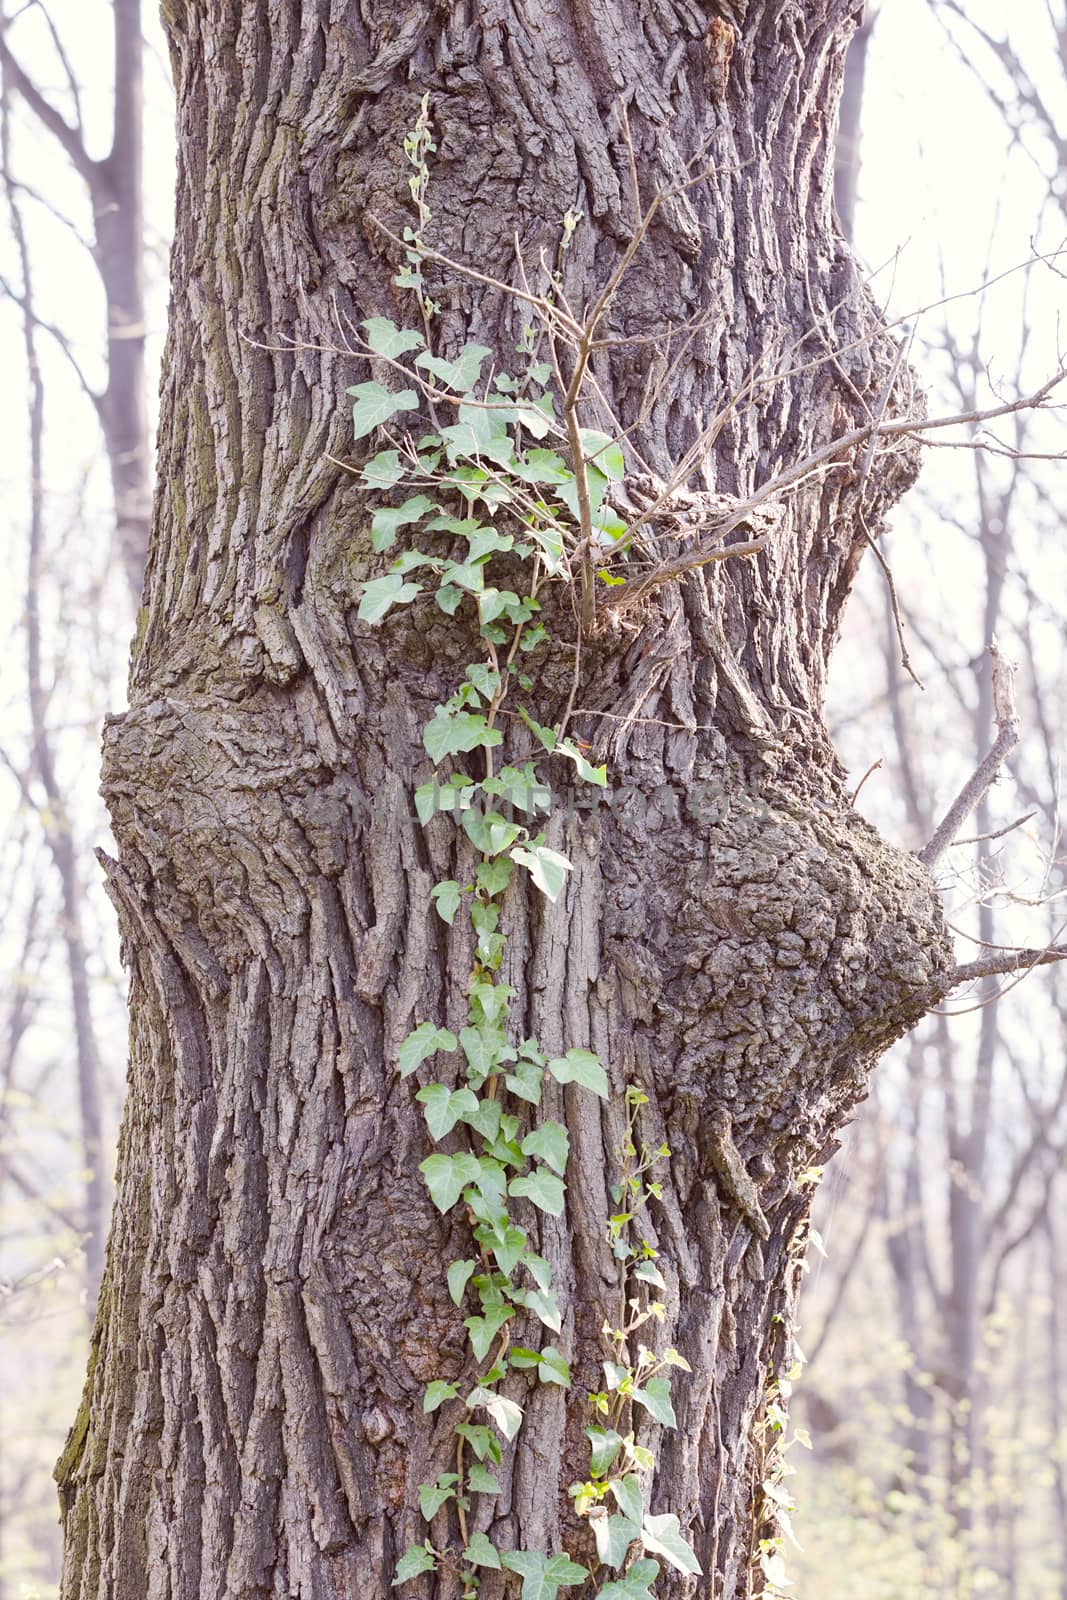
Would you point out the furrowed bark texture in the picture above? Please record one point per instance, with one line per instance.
(733, 939)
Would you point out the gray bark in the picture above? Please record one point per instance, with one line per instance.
(734, 938)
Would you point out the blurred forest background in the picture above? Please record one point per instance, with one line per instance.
(935, 1310)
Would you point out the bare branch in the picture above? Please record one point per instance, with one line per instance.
(1007, 718)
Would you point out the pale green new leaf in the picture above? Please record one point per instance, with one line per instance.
(504, 1412)
(628, 1497)
(614, 1536)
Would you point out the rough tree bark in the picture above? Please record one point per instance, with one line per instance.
(734, 938)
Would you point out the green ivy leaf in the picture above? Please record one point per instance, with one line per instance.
(493, 877)
(422, 1042)
(375, 405)
(388, 520)
(588, 773)
(483, 1330)
(628, 1497)
(547, 868)
(648, 1272)
(447, 1177)
(386, 339)
(550, 1143)
(432, 1496)
(417, 1559)
(541, 1187)
(543, 1576)
(507, 1245)
(384, 470)
(484, 678)
(448, 597)
(605, 1445)
(458, 1275)
(491, 833)
(484, 1048)
(485, 1118)
(482, 1440)
(381, 594)
(662, 1535)
(525, 1082)
(542, 1302)
(539, 1271)
(449, 733)
(635, 1584)
(480, 1551)
(614, 1536)
(656, 1399)
(461, 374)
(582, 1067)
(603, 453)
(437, 1393)
(443, 1108)
(453, 796)
(480, 1480)
(552, 1368)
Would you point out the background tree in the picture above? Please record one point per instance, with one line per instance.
(734, 941)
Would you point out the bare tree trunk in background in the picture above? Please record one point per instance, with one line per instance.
(850, 132)
(58, 823)
(734, 938)
(115, 190)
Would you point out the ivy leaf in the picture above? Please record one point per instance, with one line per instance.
(443, 1108)
(547, 868)
(481, 1439)
(588, 773)
(485, 1118)
(550, 1143)
(454, 796)
(417, 1559)
(480, 1551)
(483, 1330)
(605, 1445)
(525, 1082)
(447, 1177)
(656, 1399)
(449, 733)
(552, 1368)
(480, 1480)
(423, 1041)
(446, 897)
(461, 374)
(432, 1496)
(603, 452)
(507, 1245)
(539, 1271)
(582, 1067)
(458, 1276)
(648, 1272)
(448, 597)
(381, 594)
(662, 1535)
(384, 471)
(386, 339)
(628, 1498)
(614, 1536)
(543, 1576)
(491, 833)
(635, 1584)
(375, 405)
(438, 1392)
(504, 1412)
(483, 1048)
(541, 1187)
(388, 520)
(542, 1302)
(494, 876)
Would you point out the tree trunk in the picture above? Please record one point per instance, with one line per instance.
(733, 938)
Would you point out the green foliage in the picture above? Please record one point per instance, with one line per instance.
(455, 481)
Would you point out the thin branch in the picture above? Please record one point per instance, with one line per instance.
(1007, 718)
(49, 117)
